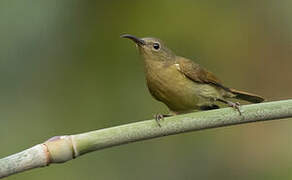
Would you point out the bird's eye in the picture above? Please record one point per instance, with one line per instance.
(156, 46)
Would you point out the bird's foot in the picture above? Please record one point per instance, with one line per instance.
(160, 117)
(235, 105)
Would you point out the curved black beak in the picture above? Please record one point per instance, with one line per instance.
(133, 38)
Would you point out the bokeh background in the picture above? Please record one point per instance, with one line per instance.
(64, 70)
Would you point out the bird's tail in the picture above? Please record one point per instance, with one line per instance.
(253, 98)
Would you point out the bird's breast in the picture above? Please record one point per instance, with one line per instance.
(170, 86)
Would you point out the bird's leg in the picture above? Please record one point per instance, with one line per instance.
(159, 117)
(235, 105)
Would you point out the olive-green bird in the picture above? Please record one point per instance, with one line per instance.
(180, 83)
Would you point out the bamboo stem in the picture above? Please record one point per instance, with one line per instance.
(60, 149)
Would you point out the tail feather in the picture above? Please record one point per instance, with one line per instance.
(253, 98)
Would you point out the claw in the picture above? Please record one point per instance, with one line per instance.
(160, 117)
(235, 106)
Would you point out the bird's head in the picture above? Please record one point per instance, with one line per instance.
(152, 48)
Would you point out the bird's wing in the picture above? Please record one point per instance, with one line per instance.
(197, 73)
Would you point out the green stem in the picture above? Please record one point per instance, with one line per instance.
(124, 134)
(64, 148)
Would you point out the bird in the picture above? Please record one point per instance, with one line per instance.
(181, 84)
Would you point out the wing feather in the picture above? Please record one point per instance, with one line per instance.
(197, 73)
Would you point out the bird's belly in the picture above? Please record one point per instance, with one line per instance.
(178, 92)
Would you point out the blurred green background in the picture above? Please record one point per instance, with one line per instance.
(64, 70)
